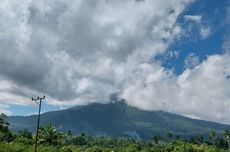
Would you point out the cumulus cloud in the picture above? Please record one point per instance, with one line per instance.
(77, 52)
(201, 92)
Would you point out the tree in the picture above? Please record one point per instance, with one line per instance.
(3, 123)
(169, 136)
(65, 138)
(80, 140)
(178, 137)
(227, 137)
(220, 142)
(212, 136)
(5, 134)
(48, 135)
(156, 139)
(25, 134)
(197, 139)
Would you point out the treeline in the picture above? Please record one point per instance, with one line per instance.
(51, 140)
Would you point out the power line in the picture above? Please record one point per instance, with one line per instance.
(38, 100)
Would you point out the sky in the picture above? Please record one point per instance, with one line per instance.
(171, 55)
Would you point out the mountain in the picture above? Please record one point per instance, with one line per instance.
(118, 120)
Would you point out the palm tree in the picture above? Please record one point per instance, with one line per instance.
(227, 136)
(48, 135)
(212, 136)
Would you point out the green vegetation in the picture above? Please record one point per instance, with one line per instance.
(51, 140)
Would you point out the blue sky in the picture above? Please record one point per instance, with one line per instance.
(213, 15)
(32, 109)
(77, 52)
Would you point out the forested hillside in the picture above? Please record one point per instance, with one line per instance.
(117, 119)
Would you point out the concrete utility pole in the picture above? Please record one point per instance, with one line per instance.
(38, 100)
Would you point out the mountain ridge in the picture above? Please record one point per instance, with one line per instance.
(117, 119)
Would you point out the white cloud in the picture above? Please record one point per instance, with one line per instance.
(193, 18)
(202, 92)
(191, 61)
(203, 29)
(206, 88)
(78, 52)
(75, 56)
(205, 32)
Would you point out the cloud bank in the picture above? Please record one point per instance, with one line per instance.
(82, 51)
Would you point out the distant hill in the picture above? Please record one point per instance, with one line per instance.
(118, 120)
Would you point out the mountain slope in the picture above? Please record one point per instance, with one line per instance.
(118, 119)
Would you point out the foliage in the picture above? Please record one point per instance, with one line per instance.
(51, 140)
(48, 135)
(5, 134)
(3, 124)
(24, 136)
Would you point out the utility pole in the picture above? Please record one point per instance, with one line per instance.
(38, 100)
